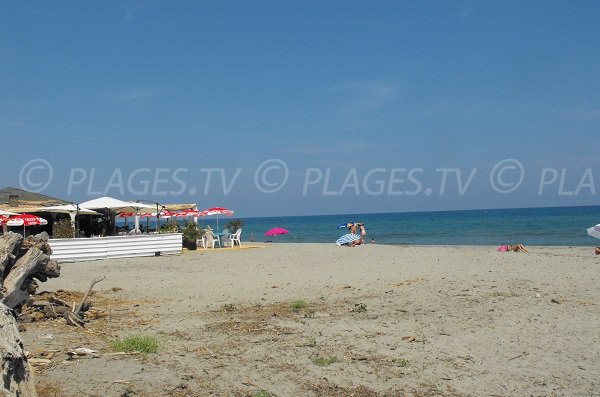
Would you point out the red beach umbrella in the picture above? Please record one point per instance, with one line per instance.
(192, 213)
(25, 220)
(125, 215)
(165, 213)
(3, 219)
(218, 211)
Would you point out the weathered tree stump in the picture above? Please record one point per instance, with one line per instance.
(22, 262)
(17, 379)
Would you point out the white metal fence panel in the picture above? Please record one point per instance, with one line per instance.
(82, 249)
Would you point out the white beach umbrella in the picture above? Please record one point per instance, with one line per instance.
(108, 202)
(137, 207)
(72, 209)
(118, 205)
(69, 209)
(594, 231)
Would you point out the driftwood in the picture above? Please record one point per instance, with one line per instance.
(73, 317)
(17, 379)
(20, 283)
(11, 243)
(23, 262)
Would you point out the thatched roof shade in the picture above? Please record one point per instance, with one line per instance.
(179, 207)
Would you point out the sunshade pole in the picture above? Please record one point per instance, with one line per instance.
(77, 220)
(157, 218)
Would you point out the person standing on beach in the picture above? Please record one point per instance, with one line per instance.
(363, 233)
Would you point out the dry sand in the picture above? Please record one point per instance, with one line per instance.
(465, 321)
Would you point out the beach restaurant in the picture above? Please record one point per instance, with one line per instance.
(92, 227)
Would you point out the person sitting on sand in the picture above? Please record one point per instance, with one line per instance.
(513, 248)
(355, 242)
(350, 239)
(597, 251)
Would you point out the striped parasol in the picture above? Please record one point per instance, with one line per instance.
(218, 211)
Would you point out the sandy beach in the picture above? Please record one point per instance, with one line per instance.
(392, 320)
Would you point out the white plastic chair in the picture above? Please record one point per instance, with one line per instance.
(236, 238)
(209, 239)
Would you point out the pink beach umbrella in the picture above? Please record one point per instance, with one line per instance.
(276, 231)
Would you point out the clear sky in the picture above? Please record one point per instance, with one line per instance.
(303, 107)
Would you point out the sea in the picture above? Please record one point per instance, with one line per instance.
(528, 226)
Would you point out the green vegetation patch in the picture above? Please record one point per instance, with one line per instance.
(324, 361)
(299, 305)
(135, 343)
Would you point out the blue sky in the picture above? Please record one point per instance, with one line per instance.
(142, 99)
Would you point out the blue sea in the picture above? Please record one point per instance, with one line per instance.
(529, 226)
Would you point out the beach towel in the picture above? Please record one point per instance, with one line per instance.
(503, 248)
(347, 239)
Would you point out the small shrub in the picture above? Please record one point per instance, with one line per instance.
(135, 343)
(359, 308)
(401, 362)
(234, 225)
(298, 305)
(324, 361)
(191, 233)
(169, 227)
(229, 307)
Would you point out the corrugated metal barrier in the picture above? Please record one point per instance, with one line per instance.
(86, 249)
